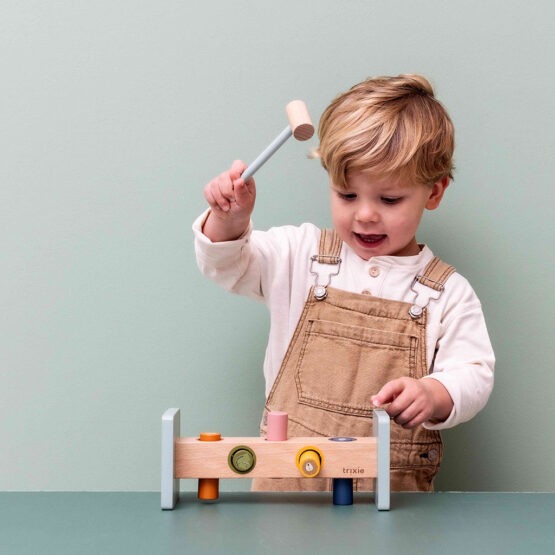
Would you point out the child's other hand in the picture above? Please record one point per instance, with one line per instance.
(412, 402)
(231, 202)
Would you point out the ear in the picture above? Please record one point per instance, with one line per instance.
(438, 189)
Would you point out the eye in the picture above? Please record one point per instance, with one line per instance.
(346, 196)
(391, 200)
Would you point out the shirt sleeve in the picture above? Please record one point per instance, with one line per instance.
(464, 359)
(228, 263)
(264, 265)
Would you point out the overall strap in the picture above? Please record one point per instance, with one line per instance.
(434, 277)
(436, 274)
(329, 250)
(330, 247)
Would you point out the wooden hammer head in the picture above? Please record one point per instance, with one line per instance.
(299, 120)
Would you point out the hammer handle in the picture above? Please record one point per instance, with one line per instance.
(267, 153)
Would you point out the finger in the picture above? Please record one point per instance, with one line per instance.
(215, 205)
(417, 420)
(414, 423)
(409, 417)
(388, 393)
(236, 172)
(402, 408)
(237, 169)
(222, 189)
(219, 194)
(244, 194)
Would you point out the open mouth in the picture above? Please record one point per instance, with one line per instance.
(370, 240)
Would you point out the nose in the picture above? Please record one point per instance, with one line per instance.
(367, 212)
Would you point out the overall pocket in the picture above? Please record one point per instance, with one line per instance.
(341, 366)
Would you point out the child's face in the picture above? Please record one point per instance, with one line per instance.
(379, 216)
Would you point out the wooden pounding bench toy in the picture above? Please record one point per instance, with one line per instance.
(210, 457)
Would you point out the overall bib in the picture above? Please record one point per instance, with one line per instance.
(346, 346)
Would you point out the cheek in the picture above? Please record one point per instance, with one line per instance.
(409, 221)
(342, 221)
(338, 215)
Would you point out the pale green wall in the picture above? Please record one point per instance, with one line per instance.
(113, 116)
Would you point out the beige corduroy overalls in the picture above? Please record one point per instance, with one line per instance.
(345, 348)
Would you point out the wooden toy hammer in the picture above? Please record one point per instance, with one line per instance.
(300, 126)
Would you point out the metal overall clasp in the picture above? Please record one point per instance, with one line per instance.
(423, 296)
(320, 289)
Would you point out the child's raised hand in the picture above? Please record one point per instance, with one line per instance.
(412, 402)
(231, 202)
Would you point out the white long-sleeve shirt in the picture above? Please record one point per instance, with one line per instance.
(274, 267)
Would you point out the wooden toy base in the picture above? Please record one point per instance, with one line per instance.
(256, 457)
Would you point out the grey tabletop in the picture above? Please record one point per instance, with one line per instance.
(106, 523)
